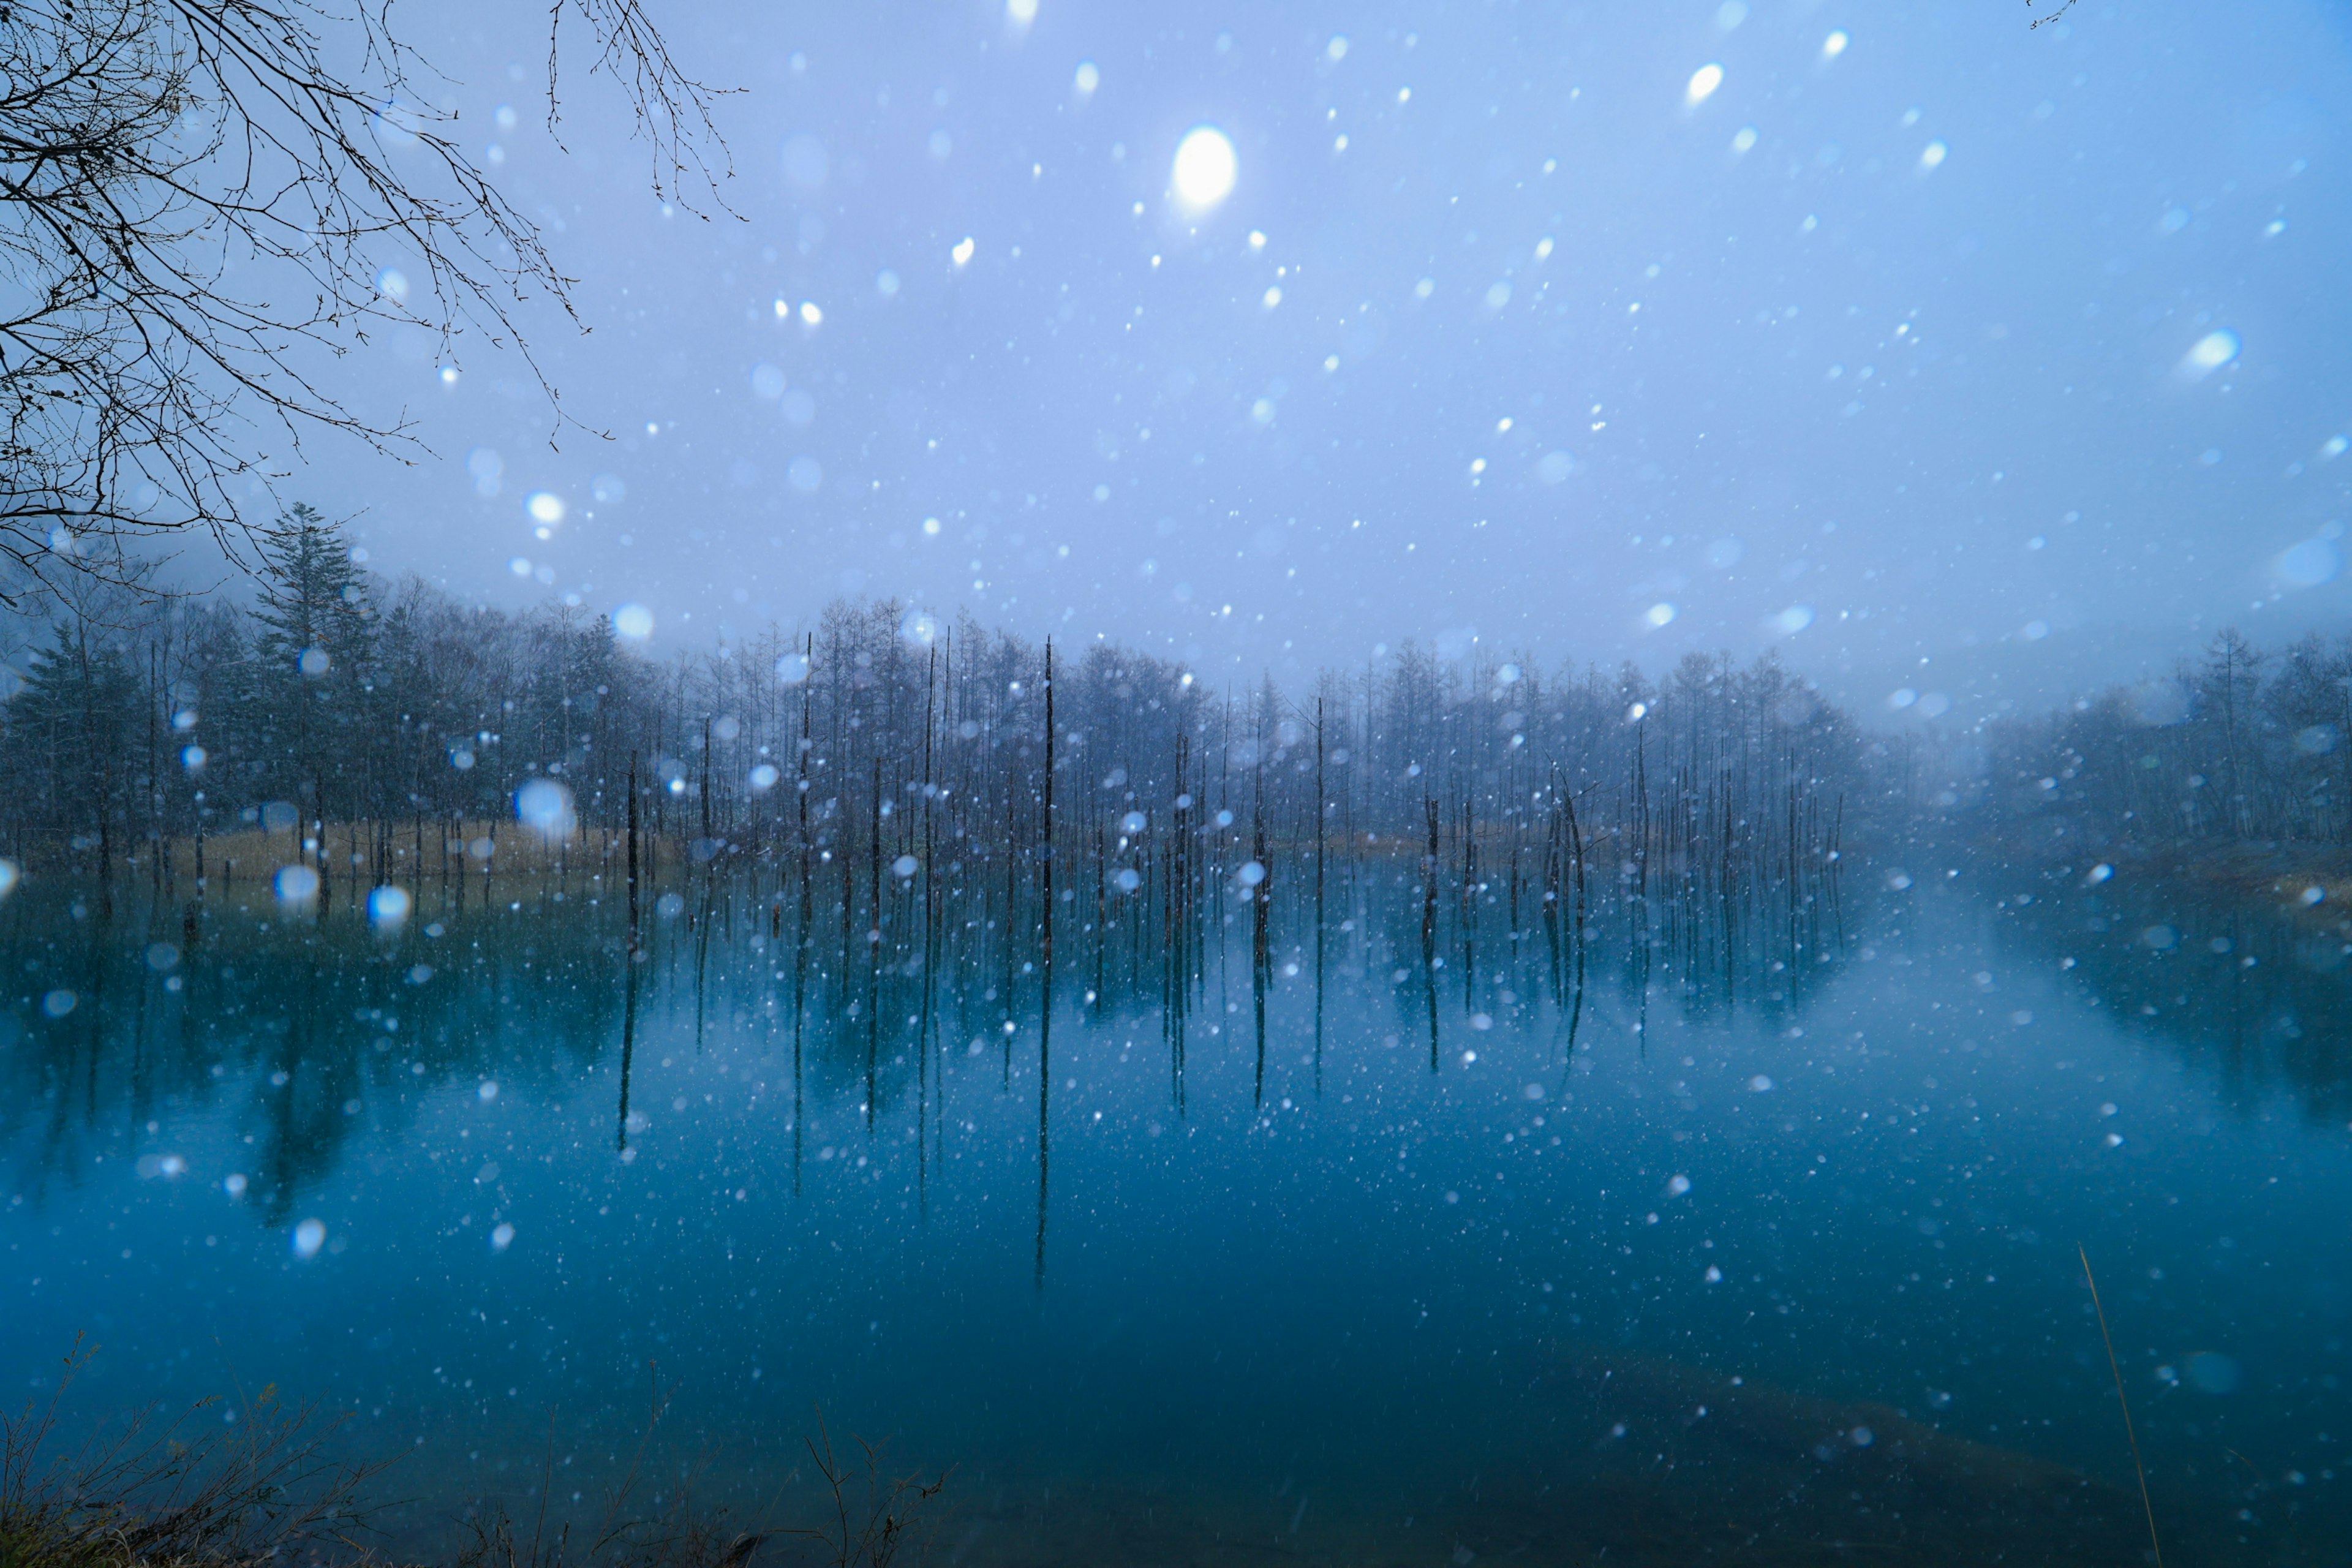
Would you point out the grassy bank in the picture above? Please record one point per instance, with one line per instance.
(405, 852)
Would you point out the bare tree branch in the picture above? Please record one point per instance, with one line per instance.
(198, 200)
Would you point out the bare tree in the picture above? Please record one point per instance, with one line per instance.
(196, 199)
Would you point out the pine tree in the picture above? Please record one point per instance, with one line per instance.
(317, 621)
(76, 713)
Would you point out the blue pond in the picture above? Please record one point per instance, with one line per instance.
(1722, 1246)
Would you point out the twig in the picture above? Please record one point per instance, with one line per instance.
(2116, 1367)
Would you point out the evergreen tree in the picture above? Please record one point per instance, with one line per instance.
(317, 632)
(74, 719)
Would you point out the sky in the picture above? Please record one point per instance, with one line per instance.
(1965, 363)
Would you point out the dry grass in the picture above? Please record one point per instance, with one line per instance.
(465, 849)
(263, 1489)
(152, 1492)
(473, 848)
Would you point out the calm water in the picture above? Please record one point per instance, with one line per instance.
(1364, 1307)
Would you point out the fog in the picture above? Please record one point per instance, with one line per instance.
(1945, 353)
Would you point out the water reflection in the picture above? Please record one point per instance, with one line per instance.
(1530, 1202)
(2242, 975)
(308, 1034)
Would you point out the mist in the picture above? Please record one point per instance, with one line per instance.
(1946, 352)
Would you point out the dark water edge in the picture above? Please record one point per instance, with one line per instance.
(1683, 1465)
(1100, 1416)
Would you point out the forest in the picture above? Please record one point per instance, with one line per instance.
(340, 709)
(2237, 745)
(385, 729)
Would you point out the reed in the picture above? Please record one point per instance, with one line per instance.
(2147, 1503)
(180, 1490)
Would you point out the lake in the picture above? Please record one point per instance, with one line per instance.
(1748, 1244)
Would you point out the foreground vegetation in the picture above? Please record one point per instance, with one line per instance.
(269, 1485)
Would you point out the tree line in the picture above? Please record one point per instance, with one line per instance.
(336, 697)
(2238, 744)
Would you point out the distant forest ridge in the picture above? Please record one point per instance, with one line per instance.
(338, 699)
(2238, 744)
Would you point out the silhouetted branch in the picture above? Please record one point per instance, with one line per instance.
(205, 204)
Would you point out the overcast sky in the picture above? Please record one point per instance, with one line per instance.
(1882, 333)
